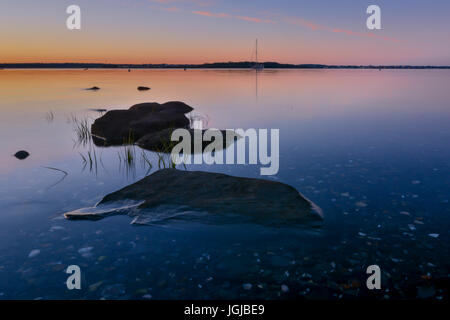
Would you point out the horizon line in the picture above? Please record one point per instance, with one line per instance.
(181, 65)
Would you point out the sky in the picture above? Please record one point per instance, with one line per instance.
(198, 31)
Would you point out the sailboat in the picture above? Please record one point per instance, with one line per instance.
(257, 65)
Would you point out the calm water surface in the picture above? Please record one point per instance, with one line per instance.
(371, 148)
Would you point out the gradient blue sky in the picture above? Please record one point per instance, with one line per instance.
(196, 31)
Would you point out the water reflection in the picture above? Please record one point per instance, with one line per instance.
(370, 147)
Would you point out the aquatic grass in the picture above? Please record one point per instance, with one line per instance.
(130, 139)
(161, 160)
(127, 159)
(128, 156)
(164, 152)
(167, 145)
(146, 162)
(49, 116)
(165, 160)
(90, 159)
(65, 174)
(82, 130)
(83, 157)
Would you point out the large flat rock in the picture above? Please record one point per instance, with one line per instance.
(201, 196)
(117, 127)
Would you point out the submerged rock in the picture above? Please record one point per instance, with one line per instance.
(202, 196)
(21, 155)
(161, 141)
(117, 127)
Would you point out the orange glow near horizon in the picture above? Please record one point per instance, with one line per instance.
(181, 52)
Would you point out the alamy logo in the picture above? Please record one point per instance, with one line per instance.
(74, 280)
(374, 20)
(221, 144)
(374, 281)
(73, 22)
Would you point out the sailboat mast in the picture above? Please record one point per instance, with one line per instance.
(256, 51)
(257, 65)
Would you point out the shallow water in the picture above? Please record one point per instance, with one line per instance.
(369, 147)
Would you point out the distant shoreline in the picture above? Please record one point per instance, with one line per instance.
(217, 65)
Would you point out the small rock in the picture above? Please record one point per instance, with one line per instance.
(434, 235)
(361, 204)
(85, 252)
(55, 228)
(34, 253)
(247, 286)
(284, 288)
(98, 110)
(93, 88)
(21, 155)
(95, 286)
(362, 234)
(143, 88)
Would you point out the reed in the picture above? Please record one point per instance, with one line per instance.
(50, 116)
(82, 130)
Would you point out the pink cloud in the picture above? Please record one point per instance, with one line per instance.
(297, 22)
(304, 23)
(257, 20)
(251, 19)
(225, 15)
(201, 3)
(210, 14)
(172, 9)
(314, 26)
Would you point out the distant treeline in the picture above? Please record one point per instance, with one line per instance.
(216, 65)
